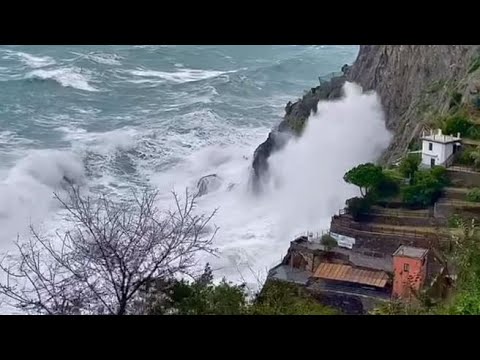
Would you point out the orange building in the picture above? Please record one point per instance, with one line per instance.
(410, 271)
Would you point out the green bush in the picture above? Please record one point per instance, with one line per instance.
(387, 187)
(474, 195)
(358, 206)
(456, 99)
(328, 241)
(409, 166)
(465, 157)
(459, 124)
(454, 221)
(426, 188)
(475, 65)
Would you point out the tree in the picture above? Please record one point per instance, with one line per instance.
(365, 176)
(109, 258)
(282, 298)
(459, 124)
(426, 188)
(200, 297)
(409, 166)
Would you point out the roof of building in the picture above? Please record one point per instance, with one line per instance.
(411, 252)
(441, 138)
(351, 274)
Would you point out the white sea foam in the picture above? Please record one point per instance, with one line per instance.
(26, 191)
(181, 76)
(67, 77)
(29, 59)
(306, 186)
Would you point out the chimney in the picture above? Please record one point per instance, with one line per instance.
(458, 135)
(440, 132)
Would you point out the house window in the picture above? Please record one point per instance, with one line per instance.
(430, 146)
(406, 267)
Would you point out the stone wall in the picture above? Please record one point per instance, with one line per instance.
(464, 179)
(403, 220)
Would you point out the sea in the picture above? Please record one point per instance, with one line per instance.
(119, 118)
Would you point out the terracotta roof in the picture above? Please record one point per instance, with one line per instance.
(351, 274)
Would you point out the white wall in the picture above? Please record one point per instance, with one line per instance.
(439, 152)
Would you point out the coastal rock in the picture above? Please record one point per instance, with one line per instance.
(415, 84)
(293, 123)
(208, 184)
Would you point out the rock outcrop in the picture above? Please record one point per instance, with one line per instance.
(208, 184)
(416, 85)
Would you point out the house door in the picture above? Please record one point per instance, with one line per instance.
(432, 163)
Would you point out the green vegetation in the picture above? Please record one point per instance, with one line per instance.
(409, 166)
(281, 298)
(426, 187)
(474, 195)
(475, 157)
(328, 241)
(365, 176)
(475, 65)
(358, 206)
(460, 124)
(476, 102)
(203, 297)
(465, 257)
(387, 187)
(436, 86)
(455, 100)
(465, 157)
(454, 221)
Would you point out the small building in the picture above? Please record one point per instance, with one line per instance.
(439, 149)
(410, 271)
(356, 280)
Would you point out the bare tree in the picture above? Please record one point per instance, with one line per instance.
(113, 252)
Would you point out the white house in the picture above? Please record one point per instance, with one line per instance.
(438, 149)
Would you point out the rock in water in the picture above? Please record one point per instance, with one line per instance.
(208, 184)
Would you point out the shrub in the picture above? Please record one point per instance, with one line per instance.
(426, 188)
(358, 206)
(465, 157)
(458, 124)
(328, 241)
(387, 187)
(474, 195)
(475, 65)
(456, 99)
(454, 221)
(409, 166)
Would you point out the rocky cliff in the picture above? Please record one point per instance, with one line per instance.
(417, 84)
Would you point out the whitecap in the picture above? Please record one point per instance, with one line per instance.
(67, 77)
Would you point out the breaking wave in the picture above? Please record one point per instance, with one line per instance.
(67, 77)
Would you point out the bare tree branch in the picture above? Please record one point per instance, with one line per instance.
(111, 254)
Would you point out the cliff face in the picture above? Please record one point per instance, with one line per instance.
(416, 84)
